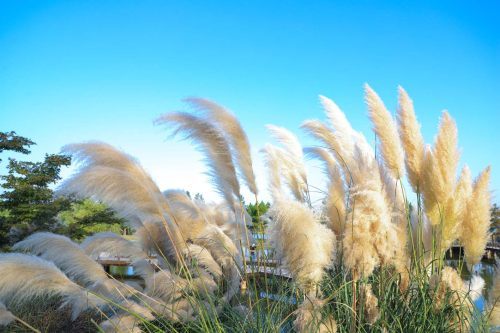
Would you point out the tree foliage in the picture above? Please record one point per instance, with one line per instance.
(28, 200)
(495, 222)
(256, 211)
(12, 142)
(87, 217)
(28, 203)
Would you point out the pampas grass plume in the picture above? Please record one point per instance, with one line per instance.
(385, 128)
(25, 276)
(6, 317)
(411, 139)
(236, 136)
(305, 245)
(371, 309)
(476, 223)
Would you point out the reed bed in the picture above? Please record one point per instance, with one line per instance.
(366, 260)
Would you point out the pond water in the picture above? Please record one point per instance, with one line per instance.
(486, 269)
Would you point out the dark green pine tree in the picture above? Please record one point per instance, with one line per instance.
(27, 203)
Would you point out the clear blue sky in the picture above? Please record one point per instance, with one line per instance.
(81, 70)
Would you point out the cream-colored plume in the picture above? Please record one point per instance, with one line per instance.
(272, 162)
(115, 178)
(305, 246)
(449, 280)
(73, 261)
(494, 298)
(369, 238)
(476, 222)
(282, 165)
(335, 201)
(343, 129)
(412, 140)
(309, 318)
(113, 245)
(236, 136)
(324, 134)
(6, 317)
(213, 144)
(127, 319)
(292, 157)
(440, 170)
(371, 310)
(24, 277)
(385, 129)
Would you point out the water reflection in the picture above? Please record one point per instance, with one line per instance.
(486, 269)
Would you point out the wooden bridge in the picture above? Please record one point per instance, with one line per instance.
(492, 250)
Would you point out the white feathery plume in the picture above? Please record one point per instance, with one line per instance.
(493, 305)
(335, 203)
(213, 144)
(6, 317)
(291, 175)
(72, 260)
(476, 223)
(226, 254)
(305, 245)
(225, 218)
(113, 244)
(309, 317)
(395, 201)
(221, 248)
(187, 214)
(446, 151)
(116, 179)
(168, 287)
(412, 140)
(323, 133)
(165, 285)
(429, 196)
(236, 136)
(365, 242)
(343, 129)
(192, 219)
(127, 196)
(121, 323)
(463, 194)
(281, 164)
(127, 319)
(272, 162)
(348, 139)
(475, 287)
(236, 224)
(454, 210)
(24, 277)
(371, 309)
(351, 147)
(204, 260)
(194, 223)
(154, 238)
(289, 141)
(370, 238)
(95, 153)
(292, 150)
(464, 293)
(98, 154)
(385, 129)
(440, 167)
(331, 168)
